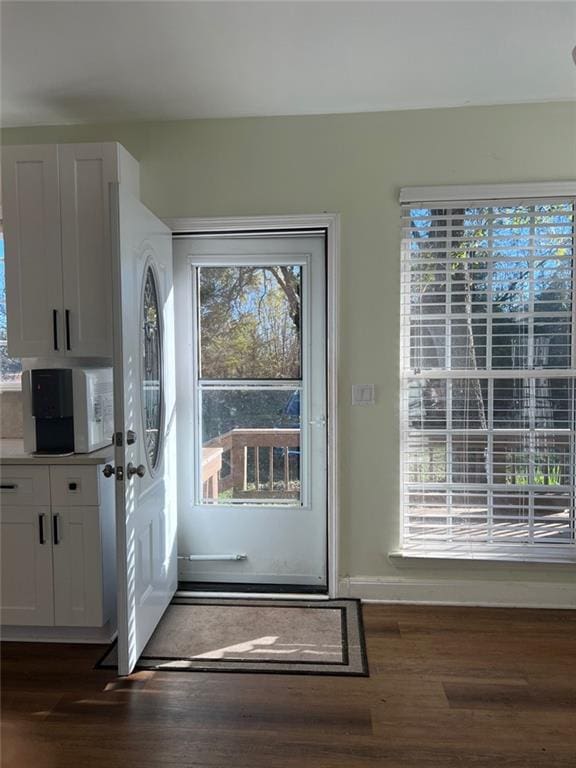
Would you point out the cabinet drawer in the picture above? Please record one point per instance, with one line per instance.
(74, 486)
(24, 485)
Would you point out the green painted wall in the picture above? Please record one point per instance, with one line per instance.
(354, 165)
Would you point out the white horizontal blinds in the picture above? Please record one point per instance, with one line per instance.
(488, 373)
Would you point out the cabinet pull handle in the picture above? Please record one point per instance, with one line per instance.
(56, 528)
(8, 486)
(55, 328)
(41, 528)
(67, 316)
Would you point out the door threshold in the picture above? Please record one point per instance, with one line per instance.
(253, 595)
(227, 589)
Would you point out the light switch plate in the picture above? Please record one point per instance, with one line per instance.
(363, 394)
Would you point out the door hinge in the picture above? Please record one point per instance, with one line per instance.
(118, 439)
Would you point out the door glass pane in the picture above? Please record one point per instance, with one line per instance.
(250, 446)
(151, 369)
(249, 320)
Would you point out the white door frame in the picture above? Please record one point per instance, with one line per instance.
(329, 223)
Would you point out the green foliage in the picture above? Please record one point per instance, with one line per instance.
(547, 469)
(250, 321)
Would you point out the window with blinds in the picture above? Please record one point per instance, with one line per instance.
(488, 426)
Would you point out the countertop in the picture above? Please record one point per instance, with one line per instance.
(12, 452)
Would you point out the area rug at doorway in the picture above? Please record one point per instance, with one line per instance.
(304, 637)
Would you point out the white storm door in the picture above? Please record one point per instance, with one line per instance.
(253, 437)
(144, 413)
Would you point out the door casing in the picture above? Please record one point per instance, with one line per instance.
(329, 224)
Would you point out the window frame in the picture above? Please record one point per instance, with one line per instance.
(454, 197)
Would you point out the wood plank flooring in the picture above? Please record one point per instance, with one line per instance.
(485, 688)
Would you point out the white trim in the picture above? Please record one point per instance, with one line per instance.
(487, 191)
(473, 592)
(330, 222)
(253, 595)
(531, 553)
(491, 373)
(104, 634)
(326, 221)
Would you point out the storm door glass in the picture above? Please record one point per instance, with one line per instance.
(249, 383)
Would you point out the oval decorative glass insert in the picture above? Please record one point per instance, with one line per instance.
(151, 369)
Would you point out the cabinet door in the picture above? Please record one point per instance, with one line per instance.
(77, 553)
(85, 173)
(26, 578)
(31, 221)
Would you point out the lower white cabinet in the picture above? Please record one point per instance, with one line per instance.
(58, 559)
(77, 567)
(26, 549)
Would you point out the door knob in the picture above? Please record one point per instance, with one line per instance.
(140, 470)
(108, 470)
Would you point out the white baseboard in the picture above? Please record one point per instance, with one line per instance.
(104, 634)
(504, 594)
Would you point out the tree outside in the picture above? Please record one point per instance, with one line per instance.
(249, 325)
(10, 369)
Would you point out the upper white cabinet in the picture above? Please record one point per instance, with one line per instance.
(57, 237)
(85, 172)
(31, 223)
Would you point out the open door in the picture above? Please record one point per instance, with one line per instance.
(145, 423)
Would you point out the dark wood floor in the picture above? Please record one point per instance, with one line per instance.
(448, 687)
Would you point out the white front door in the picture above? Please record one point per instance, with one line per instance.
(252, 410)
(145, 425)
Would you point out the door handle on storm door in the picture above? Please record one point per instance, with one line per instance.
(55, 328)
(67, 319)
(41, 518)
(56, 528)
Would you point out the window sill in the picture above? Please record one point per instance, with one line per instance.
(566, 556)
(11, 387)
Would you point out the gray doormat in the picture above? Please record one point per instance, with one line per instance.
(304, 637)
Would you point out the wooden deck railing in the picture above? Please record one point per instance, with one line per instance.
(239, 442)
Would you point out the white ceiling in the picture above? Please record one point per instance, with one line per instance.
(75, 62)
